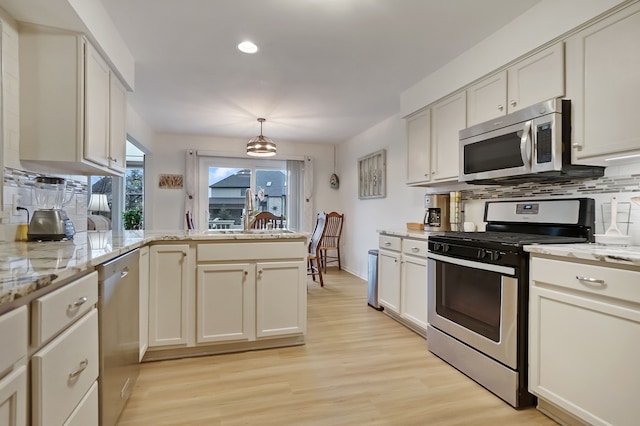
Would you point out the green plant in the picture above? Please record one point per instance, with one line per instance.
(132, 219)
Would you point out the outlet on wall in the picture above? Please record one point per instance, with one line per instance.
(15, 203)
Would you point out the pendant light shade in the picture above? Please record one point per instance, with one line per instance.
(261, 146)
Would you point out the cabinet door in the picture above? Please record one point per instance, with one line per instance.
(449, 117)
(281, 298)
(96, 128)
(418, 147)
(536, 78)
(389, 280)
(487, 99)
(168, 294)
(583, 355)
(117, 125)
(225, 302)
(603, 64)
(414, 290)
(144, 301)
(13, 398)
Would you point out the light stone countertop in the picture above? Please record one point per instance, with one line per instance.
(595, 252)
(26, 267)
(407, 233)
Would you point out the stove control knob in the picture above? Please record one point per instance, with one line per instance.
(481, 253)
(437, 247)
(494, 255)
(445, 248)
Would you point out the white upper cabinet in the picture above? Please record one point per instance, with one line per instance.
(487, 99)
(71, 109)
(603, 64)
(117, 125)
(449, 117)
(96, 146)
(531, 80)
(432, 141)
(418, 147)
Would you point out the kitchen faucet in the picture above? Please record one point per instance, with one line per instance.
(249, 217)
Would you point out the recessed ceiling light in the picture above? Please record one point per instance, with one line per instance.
(247, 47)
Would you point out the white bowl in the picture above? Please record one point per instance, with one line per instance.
(613, 240)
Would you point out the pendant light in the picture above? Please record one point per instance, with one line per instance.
(261, 146)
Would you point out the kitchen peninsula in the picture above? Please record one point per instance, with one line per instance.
(33, 269)
(200, 293)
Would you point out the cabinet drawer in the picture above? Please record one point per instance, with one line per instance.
(606, 281)
(253, 250)
(389, 243)
(54, 311)
(86, 413)
(414, 247)
(13, 335)
(64, 370)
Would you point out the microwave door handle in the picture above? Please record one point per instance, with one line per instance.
(525, 145)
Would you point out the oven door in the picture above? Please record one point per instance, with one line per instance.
(476, 303)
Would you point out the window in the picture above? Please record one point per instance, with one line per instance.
(123, 195)
(224, 181)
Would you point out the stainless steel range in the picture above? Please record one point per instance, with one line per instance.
(478, 288)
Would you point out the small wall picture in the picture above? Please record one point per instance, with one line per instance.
(170, 182)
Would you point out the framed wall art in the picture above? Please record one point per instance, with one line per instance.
(170, 181)
(372, 175)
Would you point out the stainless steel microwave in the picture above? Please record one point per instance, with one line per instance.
(532, 144)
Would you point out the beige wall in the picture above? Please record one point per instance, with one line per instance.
(165, 208)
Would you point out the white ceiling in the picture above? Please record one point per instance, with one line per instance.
(326, 70)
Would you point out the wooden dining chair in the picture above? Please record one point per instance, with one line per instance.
(331, 240)
(314, 261)
(265, 218)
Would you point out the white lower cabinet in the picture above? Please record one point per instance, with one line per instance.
(584, 339)
(169, 292)
(281, 302)
(414, 283)
(13, 371)
(402, 280)
(226, 292)
(144, 301)
(13, 398)
(63, 371)
(389, 273)
(225, 302)
(87, 410)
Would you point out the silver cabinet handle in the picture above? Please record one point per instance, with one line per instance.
(83, 366)
(500, 107)
(590, 280)
(387, 244)
(124, 273)
(513, 103)
(81, 301)
(415, 249)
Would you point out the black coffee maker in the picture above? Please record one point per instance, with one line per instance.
(436, 216)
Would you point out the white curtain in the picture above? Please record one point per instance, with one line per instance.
(190, 184)
(309, 211)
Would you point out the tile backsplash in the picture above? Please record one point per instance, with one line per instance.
(623, 182)
(20, 182)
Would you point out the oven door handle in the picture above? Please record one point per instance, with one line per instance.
(505, 270)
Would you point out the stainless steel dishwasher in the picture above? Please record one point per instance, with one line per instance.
(118, 317)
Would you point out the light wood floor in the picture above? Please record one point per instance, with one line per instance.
(358, 367)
